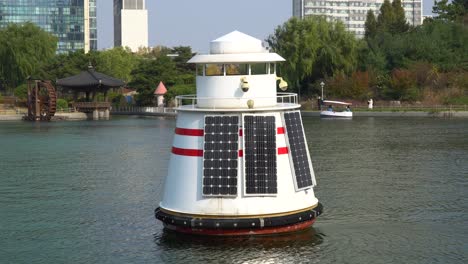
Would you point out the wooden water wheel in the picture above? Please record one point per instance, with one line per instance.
(42, 100)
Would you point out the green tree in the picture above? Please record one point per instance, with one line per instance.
(184, 53)
(441, 43)
(65, 65)
(117, 62)
(179, 89)
(148, 73)
(62, 104)
(24, 48)
(159, 64)
(186, 71)
(313, 48)
(386, 17)
(399, 23)
(294, 40)
(370, 25)
(337, 49)
(457, 10)
(21, 92)
(371, 56)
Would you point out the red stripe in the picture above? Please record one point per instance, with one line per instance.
(283, 150)
(189, 132)
(187, 152)
(241, 153)
(240, 132)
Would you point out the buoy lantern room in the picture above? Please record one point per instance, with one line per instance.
(240, 164)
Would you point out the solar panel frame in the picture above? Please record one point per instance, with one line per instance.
(270, 159)
(293, 151)
(220, 156)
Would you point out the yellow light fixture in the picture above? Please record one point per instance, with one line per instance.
(250, 103)
(244, 84)
(283, 85)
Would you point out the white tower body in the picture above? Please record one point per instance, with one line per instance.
(130, 24)
(240, 162)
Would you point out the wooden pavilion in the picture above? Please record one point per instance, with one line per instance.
(91, 82)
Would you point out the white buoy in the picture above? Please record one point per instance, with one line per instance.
(240, 164)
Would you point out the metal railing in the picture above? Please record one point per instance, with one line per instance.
(219, 102)
(142, 109)
(12, 110)
(91, 105)
(422, 108)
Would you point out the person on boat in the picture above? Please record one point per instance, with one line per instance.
(348, 109)
(319, 103)
(330, 108)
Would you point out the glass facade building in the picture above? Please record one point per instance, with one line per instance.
(353, 12)
(72, 21)
(92, 25)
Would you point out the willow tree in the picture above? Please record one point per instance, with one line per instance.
(24, 48)
(294, 40)
(313, 48)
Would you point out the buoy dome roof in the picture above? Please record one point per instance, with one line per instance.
(236, 47)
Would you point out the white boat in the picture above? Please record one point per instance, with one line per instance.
(342, 109)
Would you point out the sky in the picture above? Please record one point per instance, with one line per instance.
(196, 22)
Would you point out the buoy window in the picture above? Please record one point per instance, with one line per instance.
(200, 70)
(214, 70)
(272, 68)
(237, 69)
(259, 68)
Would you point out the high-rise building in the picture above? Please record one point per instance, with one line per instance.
(72, 21)
(130, 24)
(353, 12)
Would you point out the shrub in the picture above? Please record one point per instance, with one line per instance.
(460, 80)
(359, 85)
(403, 86)
(62, 104)
(354, 87)
(21, 92)
(182, 89)
(114, 97)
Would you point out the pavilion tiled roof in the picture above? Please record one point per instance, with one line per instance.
(90, 79)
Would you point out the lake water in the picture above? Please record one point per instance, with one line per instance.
(394, 190)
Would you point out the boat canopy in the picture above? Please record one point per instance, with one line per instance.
(335, 102)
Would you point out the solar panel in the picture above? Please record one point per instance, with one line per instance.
(220, 155)
(299, 153)
(260, 155)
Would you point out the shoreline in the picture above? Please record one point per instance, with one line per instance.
(441, 114)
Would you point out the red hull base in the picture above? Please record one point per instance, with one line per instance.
(242, 232)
